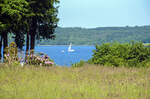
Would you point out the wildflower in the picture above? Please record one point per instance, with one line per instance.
(38, 58)
(7, 54)
(48, 62)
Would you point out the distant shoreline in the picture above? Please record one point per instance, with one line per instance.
(145, 44)
(65, 45)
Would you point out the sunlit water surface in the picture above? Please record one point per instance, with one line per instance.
(62, 57)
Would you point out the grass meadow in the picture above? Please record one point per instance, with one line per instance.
(87, 82)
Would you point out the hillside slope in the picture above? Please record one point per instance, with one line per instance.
(85, 36)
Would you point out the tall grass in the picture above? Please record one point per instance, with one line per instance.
(87, 82)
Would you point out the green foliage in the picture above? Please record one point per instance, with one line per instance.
(86, 36)
(28, 16)
(12, 12)
(11, 55)
(44, 18)
(116, 54)
(14, 8)
(12, 17)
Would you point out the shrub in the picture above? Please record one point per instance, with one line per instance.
(116, 54)
(43, 60)
(11, 53)
(11, 57)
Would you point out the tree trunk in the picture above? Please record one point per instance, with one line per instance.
(32, 35)
(32, 42)
(27, 44)
(1, 47)
(5, 43)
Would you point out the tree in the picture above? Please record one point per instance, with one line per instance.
(43, 21)
(11, 12)
(35, 18)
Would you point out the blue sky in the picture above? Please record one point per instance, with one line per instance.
(101, 13)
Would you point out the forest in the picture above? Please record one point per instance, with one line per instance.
(93, 36)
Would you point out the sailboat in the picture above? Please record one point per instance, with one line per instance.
(70, 49)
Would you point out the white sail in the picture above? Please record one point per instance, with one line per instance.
(70, 49)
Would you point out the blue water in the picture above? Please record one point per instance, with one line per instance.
(66, 58)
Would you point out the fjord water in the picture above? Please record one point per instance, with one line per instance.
(62, 57)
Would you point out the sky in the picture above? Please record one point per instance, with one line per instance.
(103, 13)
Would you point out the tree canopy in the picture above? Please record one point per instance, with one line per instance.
(35, 18)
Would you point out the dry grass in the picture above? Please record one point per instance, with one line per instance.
(88, 82)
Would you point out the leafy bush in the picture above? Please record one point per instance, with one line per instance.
(116, 54)
(11, 53)
(43, 60)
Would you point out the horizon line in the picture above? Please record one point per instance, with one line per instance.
(102, 26)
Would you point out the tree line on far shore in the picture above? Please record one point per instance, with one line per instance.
(93, 36)
(27, 20)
